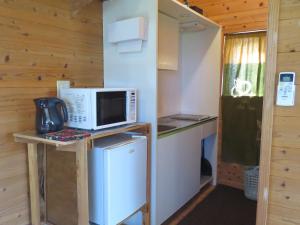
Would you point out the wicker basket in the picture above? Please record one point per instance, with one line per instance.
(251, 176)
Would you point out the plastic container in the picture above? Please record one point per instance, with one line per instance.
(251, 179)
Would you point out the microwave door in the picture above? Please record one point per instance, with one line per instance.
(111, 107)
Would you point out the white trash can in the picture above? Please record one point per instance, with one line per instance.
(251, 179)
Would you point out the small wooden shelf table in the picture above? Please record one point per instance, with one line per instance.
(80, 148)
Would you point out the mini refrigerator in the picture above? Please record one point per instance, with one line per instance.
(117, 178)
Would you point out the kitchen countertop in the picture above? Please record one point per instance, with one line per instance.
(179, 125)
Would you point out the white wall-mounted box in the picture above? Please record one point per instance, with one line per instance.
(128, 34)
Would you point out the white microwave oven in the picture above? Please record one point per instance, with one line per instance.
(99, 108)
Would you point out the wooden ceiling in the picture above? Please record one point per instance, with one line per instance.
(236, 15)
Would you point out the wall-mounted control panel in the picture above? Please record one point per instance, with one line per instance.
(286, 89)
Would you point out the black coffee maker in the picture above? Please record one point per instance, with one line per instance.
(51, 113)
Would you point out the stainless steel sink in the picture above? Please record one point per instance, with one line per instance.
(162, 128)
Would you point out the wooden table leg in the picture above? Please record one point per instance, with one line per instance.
(148, 205)
(34, 184)
(82, 183)
(146, 214)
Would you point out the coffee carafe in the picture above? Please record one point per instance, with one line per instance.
(51, 113)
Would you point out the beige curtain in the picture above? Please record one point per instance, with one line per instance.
(243, 88)
(244, 64)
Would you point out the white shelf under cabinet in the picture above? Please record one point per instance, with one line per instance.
(187, 17)
(204, 180)
(162, 66)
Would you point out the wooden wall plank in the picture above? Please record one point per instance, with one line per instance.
(268, 111)
(285, 192)
(289, 61)
(283, 216)
(289, 9)
(40, 43)
(289, 42)
(231, 174)
(286, 131)
(284, 207)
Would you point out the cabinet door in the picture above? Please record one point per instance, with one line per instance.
(167, 181)
(189, 168)
(178, 171)
(168, 42)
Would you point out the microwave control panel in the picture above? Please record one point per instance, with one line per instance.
(286, 89)
(77, 103)
(131, 110)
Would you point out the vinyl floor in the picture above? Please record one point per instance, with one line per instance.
(223, 206)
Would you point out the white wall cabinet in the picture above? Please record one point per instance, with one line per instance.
(168, 42)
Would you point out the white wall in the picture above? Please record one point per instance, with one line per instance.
(169, 81)
(201, 60)
(169, 92)
(195, 87)
(136, 70)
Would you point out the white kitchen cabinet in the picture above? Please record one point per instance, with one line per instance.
(209, 128)
(168, 42)
(178, 171)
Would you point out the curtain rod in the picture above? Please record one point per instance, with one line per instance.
(247, 32)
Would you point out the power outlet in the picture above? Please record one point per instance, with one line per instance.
(62, 84)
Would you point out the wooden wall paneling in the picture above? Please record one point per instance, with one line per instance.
(40, 43)
(279, 215)
(284, 197)
(70, 53)
(285, 193)
(268, 108)
(289, 60)
(289, 9)
(286, 131)
(231, 174)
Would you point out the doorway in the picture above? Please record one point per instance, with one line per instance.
(244, 61)
(234, 200)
